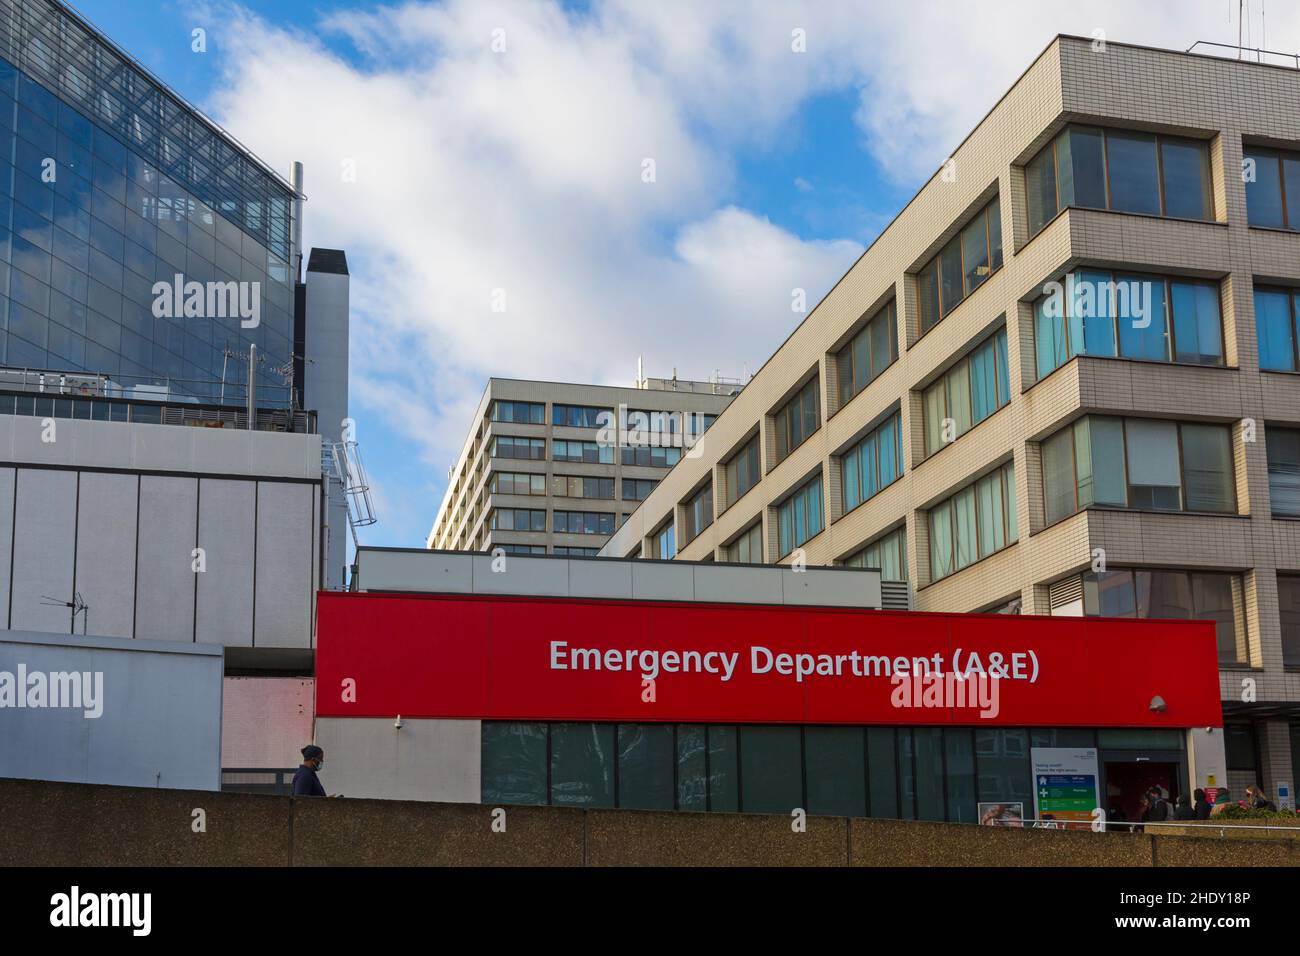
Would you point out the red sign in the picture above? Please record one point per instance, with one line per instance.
(533, 658)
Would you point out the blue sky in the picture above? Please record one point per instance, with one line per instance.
(516, 167)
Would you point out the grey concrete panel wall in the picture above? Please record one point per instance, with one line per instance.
(96, 444)
(106, 522)
(45, 530)
(443, 572)
(159, 722)
(285, 584)
(821, 586)
(437, 760)
(164, 579)
(521, 575)
(223, 612)
(407, 571)
(600, 579)
(759, 585)
(663, 582)
(7, 477)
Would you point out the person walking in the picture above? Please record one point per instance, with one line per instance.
(305, 781)
(1203, 807)
(1183, 808)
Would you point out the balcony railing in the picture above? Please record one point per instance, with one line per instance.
(48, 394)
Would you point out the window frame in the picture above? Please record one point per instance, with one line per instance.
(846, 364)
(1292, 295)
(995, 263)
(792, 500)
(1065, 322)
(1128, 486)
(731, 550)
(941, 383)
(1280, 156)
(785, 416)
(733, 494)
(1005, 474)
(1161, 192)
(697, 513)
(855, 451)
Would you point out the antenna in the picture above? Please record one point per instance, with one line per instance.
(76, 605)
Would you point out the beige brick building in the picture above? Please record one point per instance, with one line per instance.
(538, 476)
(1113, 459)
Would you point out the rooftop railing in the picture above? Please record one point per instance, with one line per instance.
(52, 394)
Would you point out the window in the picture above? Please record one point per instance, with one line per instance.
(521, 548)
(699, 513)
(582, 765)
(638, 489)
(588, 451)
(961, 266)
(840, 770)
(577, 552)
(649, 456)
(1179, 595)
(645, 766)
(872, 464)
(868, 354)
(571, 486)
(579, 416)
(1150, 318)
(665, 542)
(835, 770)
(514, 483)
(1288, 599)
(967, 393)
(742, 471)
(531, 413)
(583, 522)
(800, 516)
(518, 519)
(514, 762)
(974, 523)
(1275, 324)
(1138, 463)
(888, 554)
(771, 769)
(1284, 471)
(748, 548)
(506, 446)
(1273, 191)
(797, 419)
(1124, 170)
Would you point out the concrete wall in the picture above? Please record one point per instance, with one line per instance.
(325, 389)
(160, 720)
(124, 542)
(437, 760)
(442, 572)
(71, 825)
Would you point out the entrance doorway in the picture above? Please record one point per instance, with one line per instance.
(1127, 780)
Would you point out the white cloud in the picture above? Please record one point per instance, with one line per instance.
(521, 170)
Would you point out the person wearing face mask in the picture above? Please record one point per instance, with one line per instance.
(305, 781)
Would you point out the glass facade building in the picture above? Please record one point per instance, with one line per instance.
(109, 184)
